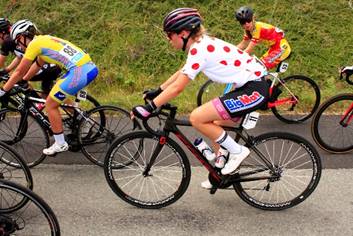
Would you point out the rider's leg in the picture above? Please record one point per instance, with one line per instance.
(276, 54)
(73, 81)
(203, 117)
(248, 98)
(54, 116)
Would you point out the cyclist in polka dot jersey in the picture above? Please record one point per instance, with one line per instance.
(221, 62)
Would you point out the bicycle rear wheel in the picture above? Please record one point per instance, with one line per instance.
(302, 105)
(100, 127)
(297, 172)
(29, 140)
(208, 91)
(161, 185)
(35, 218)
(331, 128)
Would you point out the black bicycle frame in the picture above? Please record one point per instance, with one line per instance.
(26, 105)
(171, 126)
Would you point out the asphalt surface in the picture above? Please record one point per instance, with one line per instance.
(85, 205)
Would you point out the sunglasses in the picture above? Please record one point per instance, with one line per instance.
(170, 34)
(243, 22)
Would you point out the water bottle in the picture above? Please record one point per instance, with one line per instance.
(221, 158)
(251, 120)
(204, 149)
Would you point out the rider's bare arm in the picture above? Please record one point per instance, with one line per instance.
(170, 80)
(35, 67)
(15, 62)
(20, 71)
(243, 44)
(250, 47)
(174, 89)
(2, 61)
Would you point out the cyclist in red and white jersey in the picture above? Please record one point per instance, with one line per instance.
(221, 62)
(258, 32)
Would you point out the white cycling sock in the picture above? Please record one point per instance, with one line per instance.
(59, 138)
(228, 143)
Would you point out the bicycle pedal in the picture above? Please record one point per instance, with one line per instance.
(213, 190)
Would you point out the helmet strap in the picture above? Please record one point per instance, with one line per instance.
(185, 40)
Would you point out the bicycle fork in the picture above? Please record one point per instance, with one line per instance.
(347, 117)
(156, 151)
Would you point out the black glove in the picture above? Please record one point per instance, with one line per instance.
(143, 112)
(23, 84)
(3, 72)
(150, 94)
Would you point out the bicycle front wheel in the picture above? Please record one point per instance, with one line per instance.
(28, 140)
(295, 172)
(298, 100)
(100, 127)
(152, 187)
(13, 167)
(331, 126)
(35, 218)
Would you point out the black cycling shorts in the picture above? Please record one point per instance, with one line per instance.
(250, 97)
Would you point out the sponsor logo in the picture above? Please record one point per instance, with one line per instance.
(59, 95)
(243, 102)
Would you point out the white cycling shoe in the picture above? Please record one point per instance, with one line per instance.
(235, 160)
(55, 148)
(206, 184)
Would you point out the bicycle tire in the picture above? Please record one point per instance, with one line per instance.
(110, 123)
(326, 129)
(25, 217)
(20, 172)
(90, 103)
(309, 100)
(32, 135)
(179, 172)
(290, 154)
(208, 91)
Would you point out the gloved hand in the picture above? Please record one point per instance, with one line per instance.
(2, 93)
(23, 84)
(348, 71)
(150, 94)
(3, 72)
(143, 112)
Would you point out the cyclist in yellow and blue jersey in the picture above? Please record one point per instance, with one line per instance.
(80, 71)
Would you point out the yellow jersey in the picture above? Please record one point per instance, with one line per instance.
(57, 51)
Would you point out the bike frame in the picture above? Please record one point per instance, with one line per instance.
(292, 100)
(25, 103)
(171, 126)
(347, 117)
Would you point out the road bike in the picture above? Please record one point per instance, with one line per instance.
(331, 126)
(23, 212)
(27, 128)
(148, 169)
(293, 99)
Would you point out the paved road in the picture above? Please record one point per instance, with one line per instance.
(85, 205)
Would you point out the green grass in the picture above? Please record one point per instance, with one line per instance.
(125, 39)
